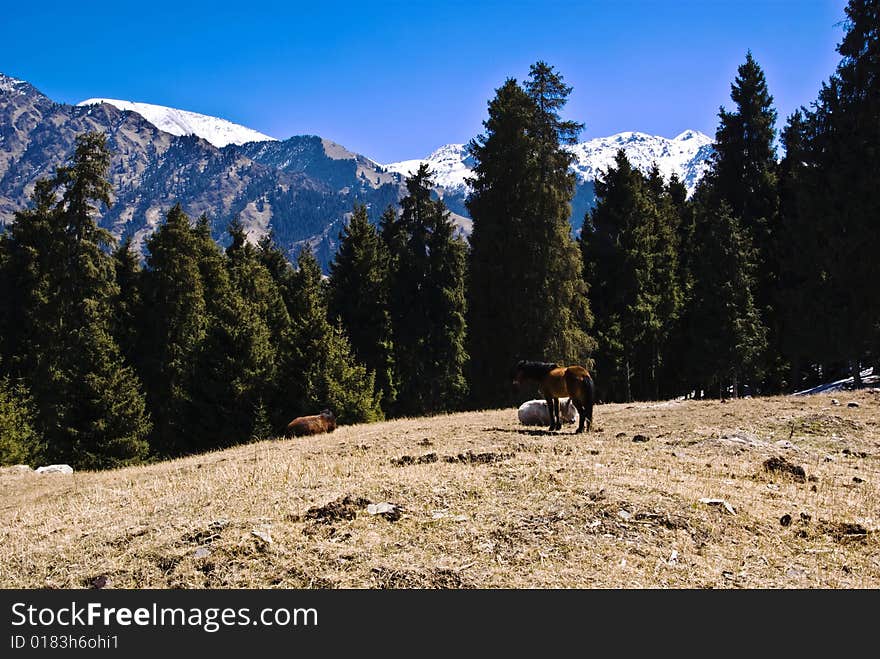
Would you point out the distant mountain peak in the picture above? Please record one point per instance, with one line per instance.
(685, 154)
(218, 132)
(14, 86)
(450, 164)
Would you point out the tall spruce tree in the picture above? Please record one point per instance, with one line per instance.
(322, 370)
(630, 249)
(427, 305)
(235, 362)
(728, 336)
(270, 325)
(89, 405)
(524, 268)
(607, 238)
(358, 298)
(128, 305)
(743, 176)
(503, 157)
(802, 288)
(174, 331)
(557, 313)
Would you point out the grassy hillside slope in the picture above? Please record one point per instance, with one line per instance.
(485, 503)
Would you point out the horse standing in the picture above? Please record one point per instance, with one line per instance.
(556, 382)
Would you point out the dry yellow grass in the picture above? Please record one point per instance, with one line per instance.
(550, 511)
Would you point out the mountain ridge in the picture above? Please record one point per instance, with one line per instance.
(300, 189)
(219, 132)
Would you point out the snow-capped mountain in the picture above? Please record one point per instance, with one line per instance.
(218, 132)
(686, 155)
(450, 163)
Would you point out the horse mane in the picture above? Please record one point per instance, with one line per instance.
(535, 370)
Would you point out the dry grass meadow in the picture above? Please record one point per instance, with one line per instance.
(481, 502)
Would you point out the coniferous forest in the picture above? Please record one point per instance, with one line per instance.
(765, 281)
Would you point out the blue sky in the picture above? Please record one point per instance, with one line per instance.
(394, 80)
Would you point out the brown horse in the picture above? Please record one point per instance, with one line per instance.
(557, 382)
(311, 425)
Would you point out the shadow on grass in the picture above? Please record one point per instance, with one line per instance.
(529, 431)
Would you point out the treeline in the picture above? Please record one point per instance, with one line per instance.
(764, 281)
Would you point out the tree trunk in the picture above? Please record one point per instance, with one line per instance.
(855, 368)
(628, 390)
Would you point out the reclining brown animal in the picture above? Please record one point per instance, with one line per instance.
(311, 425)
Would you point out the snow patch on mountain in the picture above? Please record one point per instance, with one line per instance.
(450, 164)
(218, 132)
(14, 86)
(686, 155)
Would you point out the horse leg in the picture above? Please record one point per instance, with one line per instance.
(558, 414)
(550, 410)
(582, 413)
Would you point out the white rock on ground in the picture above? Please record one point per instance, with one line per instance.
(54, 469)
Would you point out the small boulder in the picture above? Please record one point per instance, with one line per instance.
(641, 438)
(54, 469)
(852, 403)
(390, 511)
(719, 502)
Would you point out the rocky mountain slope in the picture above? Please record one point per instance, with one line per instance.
(301, 188)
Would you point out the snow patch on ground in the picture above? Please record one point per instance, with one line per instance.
(869, 379)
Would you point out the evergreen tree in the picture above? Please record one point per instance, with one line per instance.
(556, 306)
(743, 175)
(665, 294)
(524, 267)
(358, 298)
(128, 305)
(503, 156)
(676, 372)
(630, 249)
(235, 364)
(728, 335)
(323, 371)
(89, 406)
(606, 230)
(802, 287)
(267, 311)
(427, 304)
(19, 442)
(174, 330)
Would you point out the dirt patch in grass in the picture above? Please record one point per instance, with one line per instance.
(845, 531)
(343, 508)
(779, 465)
(478, 458)
(406, 460)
